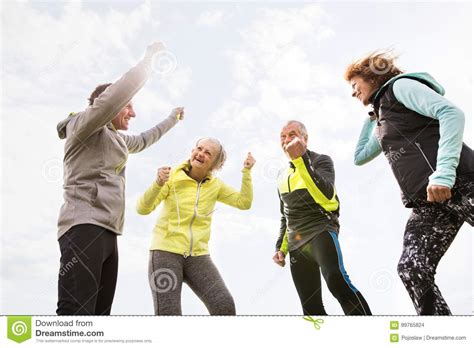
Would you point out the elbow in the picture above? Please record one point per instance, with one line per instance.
(142, 211)
(358, 161)
(461, 117)
(246, 205)
(450, 113)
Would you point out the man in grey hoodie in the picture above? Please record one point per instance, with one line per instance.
(92, 215)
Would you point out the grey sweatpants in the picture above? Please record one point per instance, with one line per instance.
(166, 273)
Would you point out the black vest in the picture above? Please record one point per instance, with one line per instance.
(410, 143)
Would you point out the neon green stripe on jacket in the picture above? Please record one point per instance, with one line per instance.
(329, 204)
(284, 244)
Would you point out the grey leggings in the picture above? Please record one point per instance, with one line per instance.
(166, 273)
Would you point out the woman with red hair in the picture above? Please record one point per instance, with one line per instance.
(420, 133)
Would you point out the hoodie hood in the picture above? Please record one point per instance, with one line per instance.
(61, 127)
(433, 84)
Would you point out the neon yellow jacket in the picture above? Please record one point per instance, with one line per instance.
(184, 223)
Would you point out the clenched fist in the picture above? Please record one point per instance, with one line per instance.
(279, 258)
(437, 193)
(295, 148)
(154, 48)
(163, 175)
(249, 161)
(178, 113)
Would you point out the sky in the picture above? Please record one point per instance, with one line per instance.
(241, 70)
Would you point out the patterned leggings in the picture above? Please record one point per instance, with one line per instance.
(429, 232)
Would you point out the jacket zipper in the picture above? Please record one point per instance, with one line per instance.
(424, 156)
(289, 176)
(191, 223)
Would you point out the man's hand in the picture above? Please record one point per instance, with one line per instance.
(437, 193)
(249, 161)
(279, 258)
(163, 175)
(154, 48)
(178, 113)
(295, 148)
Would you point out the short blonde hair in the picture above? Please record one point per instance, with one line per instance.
(221, 155)
(377, 67)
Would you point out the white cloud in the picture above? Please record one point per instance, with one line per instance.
(177, 82)
(213, 18)
(272, 69)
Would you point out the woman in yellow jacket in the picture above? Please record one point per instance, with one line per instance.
(179, 250)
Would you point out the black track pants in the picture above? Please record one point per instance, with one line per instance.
(323, 255)
(88, 272)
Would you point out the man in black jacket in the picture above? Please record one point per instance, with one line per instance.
(309, 226)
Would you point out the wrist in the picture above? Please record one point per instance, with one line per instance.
(295, 156)
(297, 160)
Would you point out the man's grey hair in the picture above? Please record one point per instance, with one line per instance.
(301, 126)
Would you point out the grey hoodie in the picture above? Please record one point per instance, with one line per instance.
(95, 155)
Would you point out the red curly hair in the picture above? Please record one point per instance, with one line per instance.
(377, 67)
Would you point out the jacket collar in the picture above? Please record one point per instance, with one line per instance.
(111, 126)
(184, 168)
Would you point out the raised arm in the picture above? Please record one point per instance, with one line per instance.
(243, 199)
(239, 199)
(157, 192)
(114, 98)
(137, 143)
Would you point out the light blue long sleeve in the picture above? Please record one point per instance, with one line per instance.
(368, 146)
(425, 101)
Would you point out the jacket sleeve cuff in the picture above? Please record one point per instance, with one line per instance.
(284, 244)
(440, 182)
(156, 187)
(246, 171)
(442, 179)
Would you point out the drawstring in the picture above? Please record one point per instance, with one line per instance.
(177, 206)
